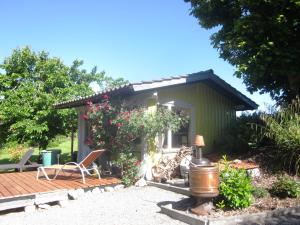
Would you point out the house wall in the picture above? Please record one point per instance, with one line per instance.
(213, 111)
(83, 149)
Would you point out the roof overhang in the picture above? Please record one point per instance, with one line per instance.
(121, 91)
(208, 77)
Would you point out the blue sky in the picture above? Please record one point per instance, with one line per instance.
(137, 39)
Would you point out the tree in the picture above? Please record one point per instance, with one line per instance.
(30, 85)
(261, 38)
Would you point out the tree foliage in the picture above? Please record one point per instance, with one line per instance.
(283, 128)
(30, 83)
(260, 38)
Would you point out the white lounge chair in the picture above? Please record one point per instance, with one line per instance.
(82, 167)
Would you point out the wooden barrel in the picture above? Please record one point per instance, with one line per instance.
(204, 181)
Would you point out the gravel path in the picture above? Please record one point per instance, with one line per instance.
(127, 206)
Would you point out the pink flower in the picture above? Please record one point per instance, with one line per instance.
(89, 103)
(101, 142)
(105, 97)
(97, 108)
(88, 141)
(104, 104)
(84, 116)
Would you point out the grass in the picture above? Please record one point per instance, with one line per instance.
(61, 142)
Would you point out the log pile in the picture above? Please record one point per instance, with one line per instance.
(165, 169)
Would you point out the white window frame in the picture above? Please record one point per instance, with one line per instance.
(192, 125)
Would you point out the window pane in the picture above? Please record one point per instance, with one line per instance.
(181, 137)
(165, 144)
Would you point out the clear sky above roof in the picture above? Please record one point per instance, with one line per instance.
(137, 39)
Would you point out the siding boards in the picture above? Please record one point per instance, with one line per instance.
(213, 111)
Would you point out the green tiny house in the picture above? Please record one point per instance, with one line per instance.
(210, 102)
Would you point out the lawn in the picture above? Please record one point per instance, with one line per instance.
(61, 142)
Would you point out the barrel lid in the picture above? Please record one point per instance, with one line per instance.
(201, 162)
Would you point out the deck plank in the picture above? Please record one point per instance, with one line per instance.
(73, 181)
(4, 189)
(11, 186)
(23, 189)
(22, 184)
(68, 182)
(29, 181)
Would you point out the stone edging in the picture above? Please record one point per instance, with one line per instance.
(292, 213)
(168, 187)
(44, 199)
(182, 216)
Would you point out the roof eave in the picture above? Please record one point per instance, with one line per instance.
(126, 90)
(246, 103)
(242, 102)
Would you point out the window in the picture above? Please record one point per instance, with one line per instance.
(182, 136)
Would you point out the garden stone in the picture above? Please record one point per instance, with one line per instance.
(29, 208)
(73, 194)
(254, 173)
(237, 161)
(109, 189)
(89, 192)
(44, 206)
(141, 183)
(80, 192)
(118, 187)
(63, 203)
(96, 191)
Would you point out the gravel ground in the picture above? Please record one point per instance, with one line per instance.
(127, 206)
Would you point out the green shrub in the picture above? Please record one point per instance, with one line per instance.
(16, 152)
(259, 192)
(235, 187)
(285, 187)
(283, 127)
(129, 166)
(220, 204)
(239, 137)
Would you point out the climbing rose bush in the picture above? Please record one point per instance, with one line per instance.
(117, 128)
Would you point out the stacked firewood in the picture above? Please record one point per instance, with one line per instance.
(166, 169)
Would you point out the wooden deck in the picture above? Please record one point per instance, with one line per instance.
(24, 184)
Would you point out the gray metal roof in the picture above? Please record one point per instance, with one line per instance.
(208, 77)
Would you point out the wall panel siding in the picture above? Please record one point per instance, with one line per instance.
(213, 111)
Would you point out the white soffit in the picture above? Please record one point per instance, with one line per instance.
(158, 84)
